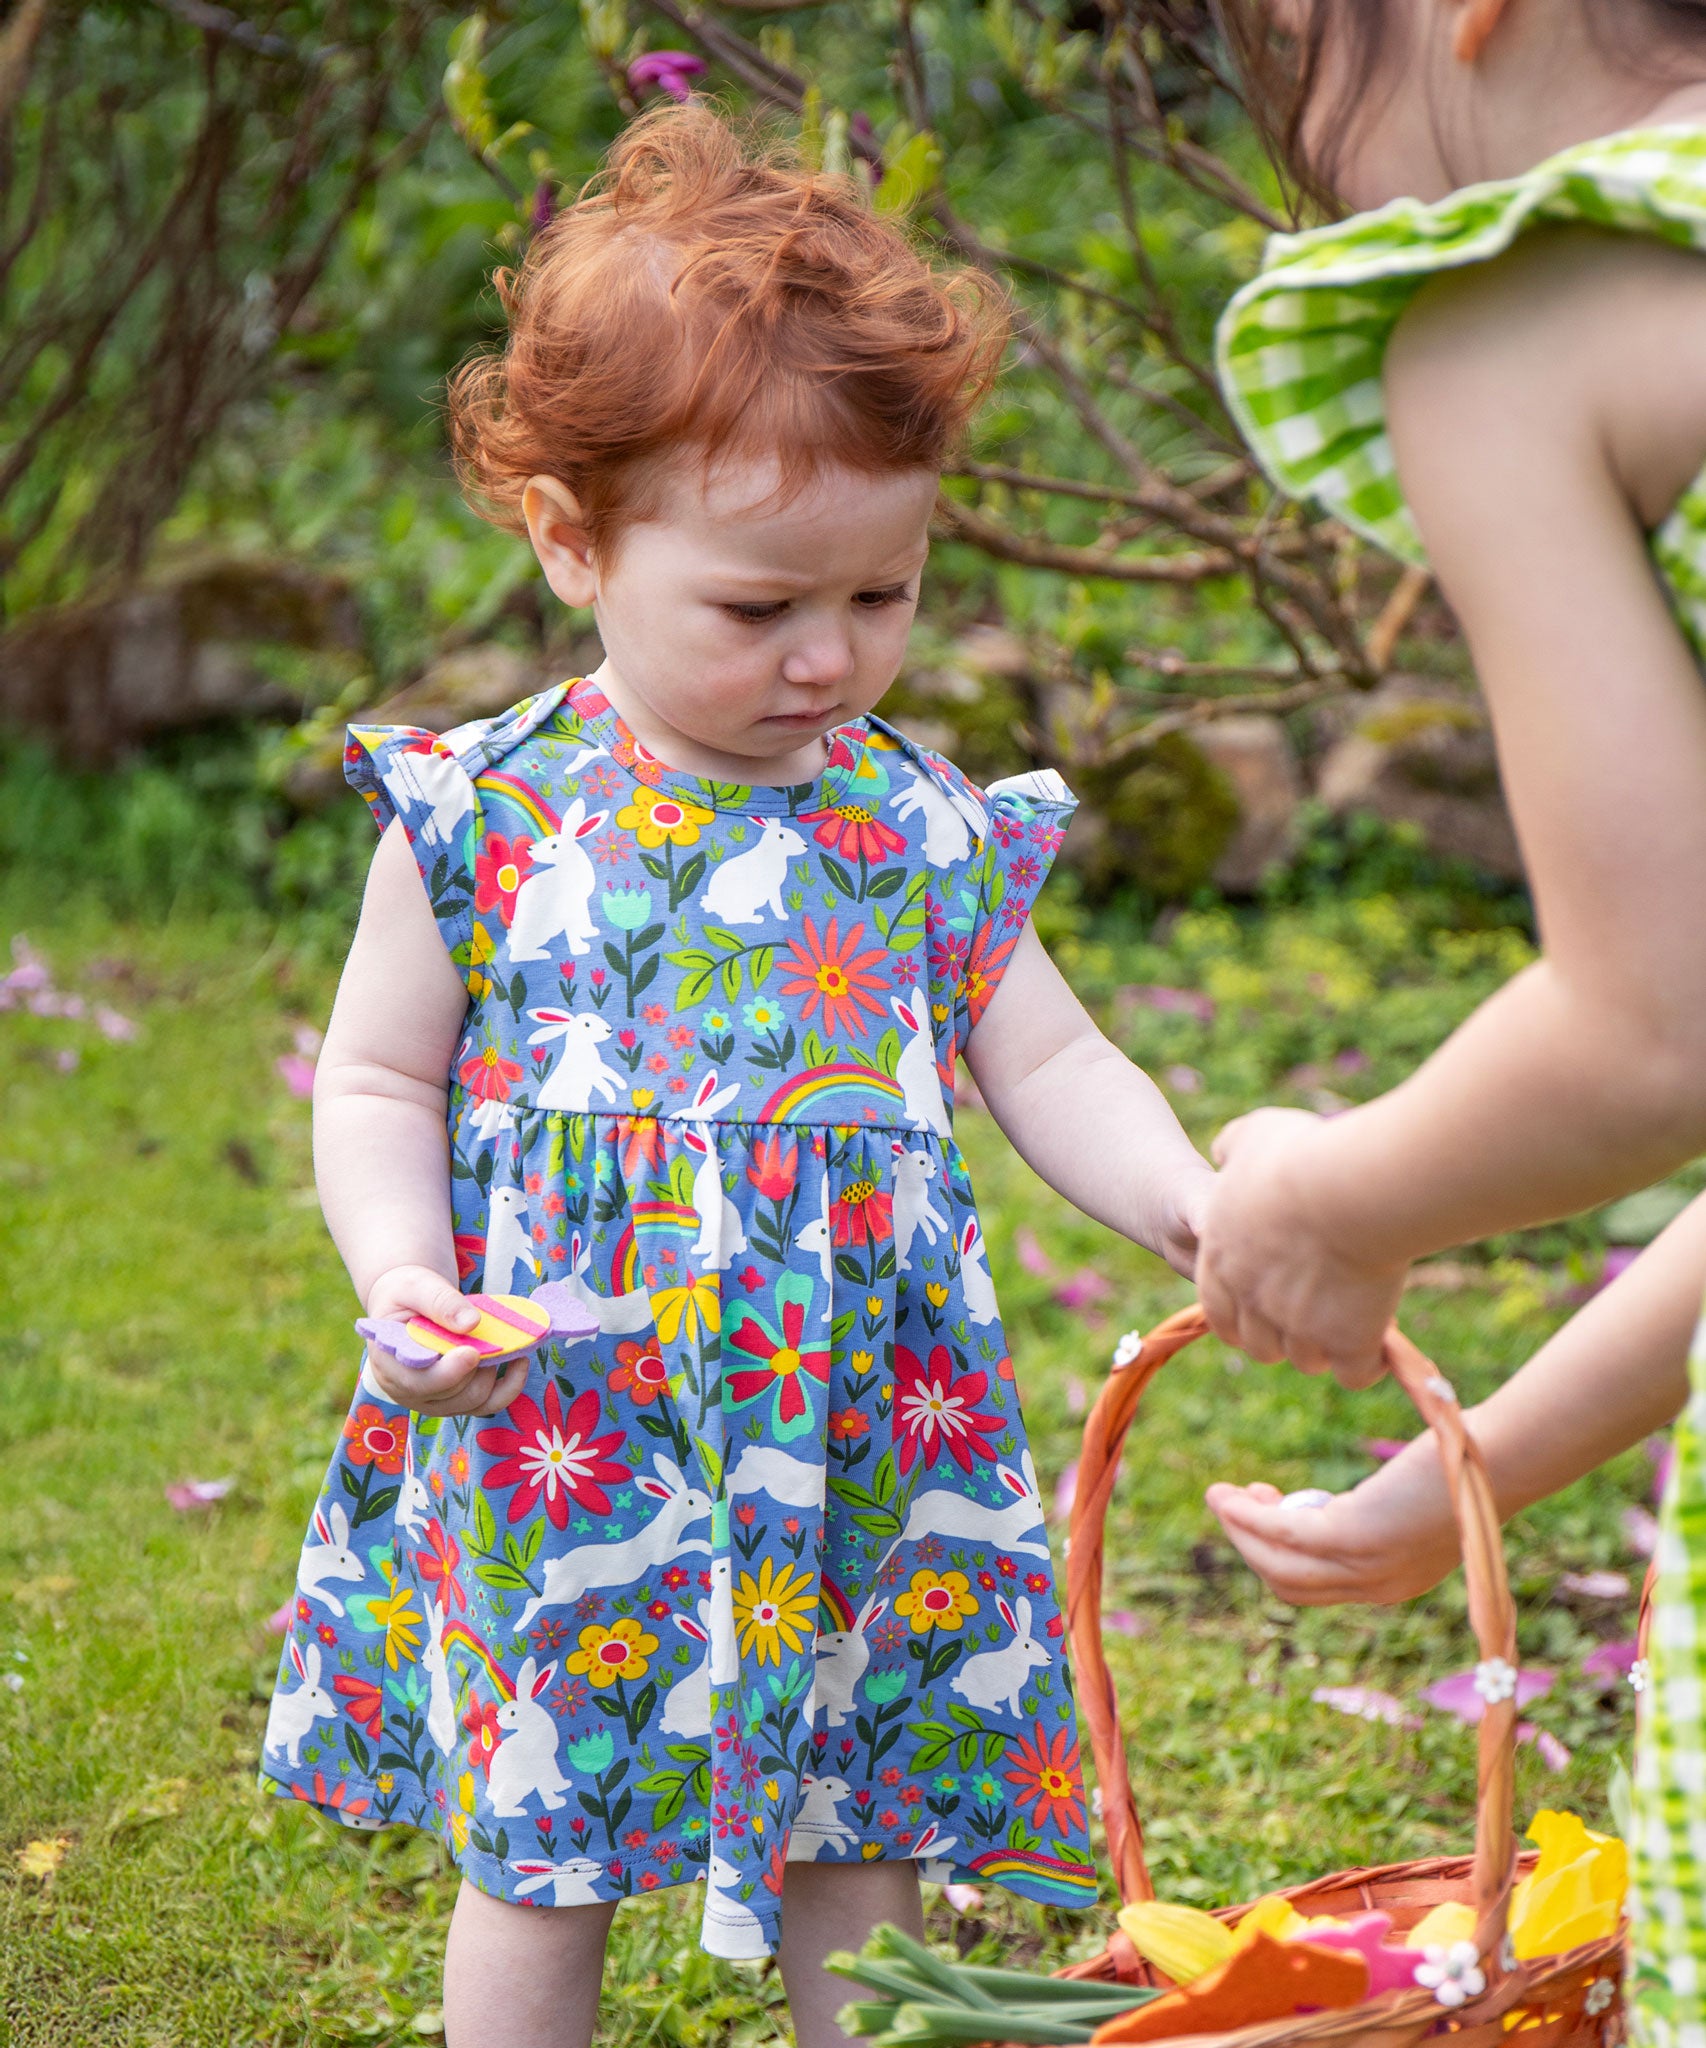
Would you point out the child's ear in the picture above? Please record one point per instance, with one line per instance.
(557, 528)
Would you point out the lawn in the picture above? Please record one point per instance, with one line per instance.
(174, 1311)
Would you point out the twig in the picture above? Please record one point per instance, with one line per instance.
(1396, 614)
(1007, 546)
(227, 27)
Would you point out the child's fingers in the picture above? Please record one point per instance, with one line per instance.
(418, 1291)
(427, 1388)
(1290, 1549)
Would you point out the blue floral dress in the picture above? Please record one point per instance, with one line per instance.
(760, 1572)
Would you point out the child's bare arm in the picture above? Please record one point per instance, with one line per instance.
(1614, 1372)
(1094, 1126)
(381, 1159)
(1532, 474)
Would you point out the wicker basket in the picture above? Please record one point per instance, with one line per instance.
(1574, 1998)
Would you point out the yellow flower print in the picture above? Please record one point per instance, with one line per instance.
(481, 951)
(680, 1311)
(653, 818)
(397, 1617)
(607, 1654)
(937, 1600)
(774, 1608)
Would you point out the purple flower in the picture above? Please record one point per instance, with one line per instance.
(1610, 1664)
(1082, 1290)
(544, 208)
(1595, 1585)
(114, 1024)
(1460, 1694)
(1187, 1001)
(1640, 1531)
(1617, 1261)
(1383, 1447)
(667, 69)
(297, 1074)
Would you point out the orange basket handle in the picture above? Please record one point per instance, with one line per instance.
(1491, 1613)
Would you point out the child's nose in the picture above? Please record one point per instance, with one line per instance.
(822, 660)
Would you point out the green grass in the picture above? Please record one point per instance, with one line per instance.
(173, 1309)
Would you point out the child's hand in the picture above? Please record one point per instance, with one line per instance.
(1388, 1539)
(1178, 1225)
(1273, 1279)
(457, 1383)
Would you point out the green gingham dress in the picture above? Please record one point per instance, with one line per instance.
(1301, 352)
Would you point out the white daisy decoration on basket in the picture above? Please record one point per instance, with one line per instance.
(1453, 1974)
(1128, 1350)
(1640, 1674)
(1495, 1680)
(1600, 1993)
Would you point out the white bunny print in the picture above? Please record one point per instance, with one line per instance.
(920, 1083)
(976, 1287)
(554, 902)
(294, 1713)
(617, 1315)
(573, 1883)
(817, 1821)
(952, 823)
(843, 1656)
(721, 1237)
(580, 1071)
(441, 1707)
(414, 1501)
(732, 1929)
(724, 1660)
(998, 1677)
(959, 1520)
(795, 1482)
(687, 1707)
(748, 884)
(914, 1176)
(524, 1765)
(574, 1572)
(328, 1557)
(511, 1267)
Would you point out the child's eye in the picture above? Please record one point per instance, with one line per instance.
(756, 614)
(897, 593)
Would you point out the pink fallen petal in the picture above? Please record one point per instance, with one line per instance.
(307, 1041)
(1366, 1703)
(668, 69)
(1187, 1002)
(297, 1074)
(1663, 1454)
(1640, 1531)
(278, 1622)
(1457, 1694)
(1595, 1585)
(190, 1494)
(1077, 1395)
(1065, 1493)
(1555, 1754)
(67, 1059)
(1384, 1447)
(1183, 1080)
(29, 969)
(1082, 1290)
(1124, 1623)
(52, 1002)
(1610, 1664)
(1617, 1261)
(1031, 1254)
(963, 1898)
(114, 1024)
(1352, 1062)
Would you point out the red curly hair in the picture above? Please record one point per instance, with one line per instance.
(705, 294)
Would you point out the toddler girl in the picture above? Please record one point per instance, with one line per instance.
(1511, 375)
(659, 990)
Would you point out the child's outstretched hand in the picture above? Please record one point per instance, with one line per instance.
(1388, 1539)
(1277, 1279)
(456, 1384)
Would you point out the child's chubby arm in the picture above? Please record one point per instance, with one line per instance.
(1614, 1372)
(381, 1157)
(1547, 411)
(1094, 1126)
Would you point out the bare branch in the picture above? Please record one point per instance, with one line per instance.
(994, 539)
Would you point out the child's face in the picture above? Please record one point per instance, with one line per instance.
(737, 630)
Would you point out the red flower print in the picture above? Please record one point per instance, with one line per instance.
(548, 1635)
(987, 1581)
(1057, 1628)
(675, 1578)
(659, 1610)
(1006, 1567)
(640, 1373)
(937, 1411)
(649, 1880)
(337, 1798)
(983, 968)
(635, 1838)
(774, 1168)
(365, 1703)
(656, 1063)
(459, 1465)
(746, 1514)
(1006, 827)
(374, 1439)
(499, 871)
(778, 1870)
(553, 1451)
(847, 1423)
(437, 1566)
(728, 1821)
(948, 957)
(484, 1734)
(888, 1818)
(554, 1205)
(654, 1013)
(535, 1183)
(1023, 873)
(470, 1250)
(890, 1775)
(751, 1279)
(679, 1035)
(837, 976)
(861, 1214)
(327, 1634)
(1036, 1582)
(855, 832)
(1048, 1774)
(664, 1852)
(641, 1138)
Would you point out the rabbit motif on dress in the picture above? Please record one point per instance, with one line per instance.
(330, 1557)
(721, 1236)
(574, 1572)
(732, 1929)
(510, 1265)
(815, 1237)
(617, 1315)
(414, 1501)
(524, 1765)
(687, 1707)
(794, 1482)
(915, 1071)
(580, 1071)
(952, 823)
(843, 1656)
(998, 1677)
(958, 1520)
(441, 1707)
(977, 1288)
(817, 1821)
(444, 783)
(750, 883)
(914, 1176)
(554, 902)
(724, 1660)
(293, 1714)
(573, 1883)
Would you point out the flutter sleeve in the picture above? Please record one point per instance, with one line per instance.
(414, 778)
(1028, 816)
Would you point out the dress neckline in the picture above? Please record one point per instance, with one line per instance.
(596, 716)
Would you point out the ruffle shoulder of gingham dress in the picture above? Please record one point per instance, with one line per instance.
(760, 1573)
(1301, 353)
